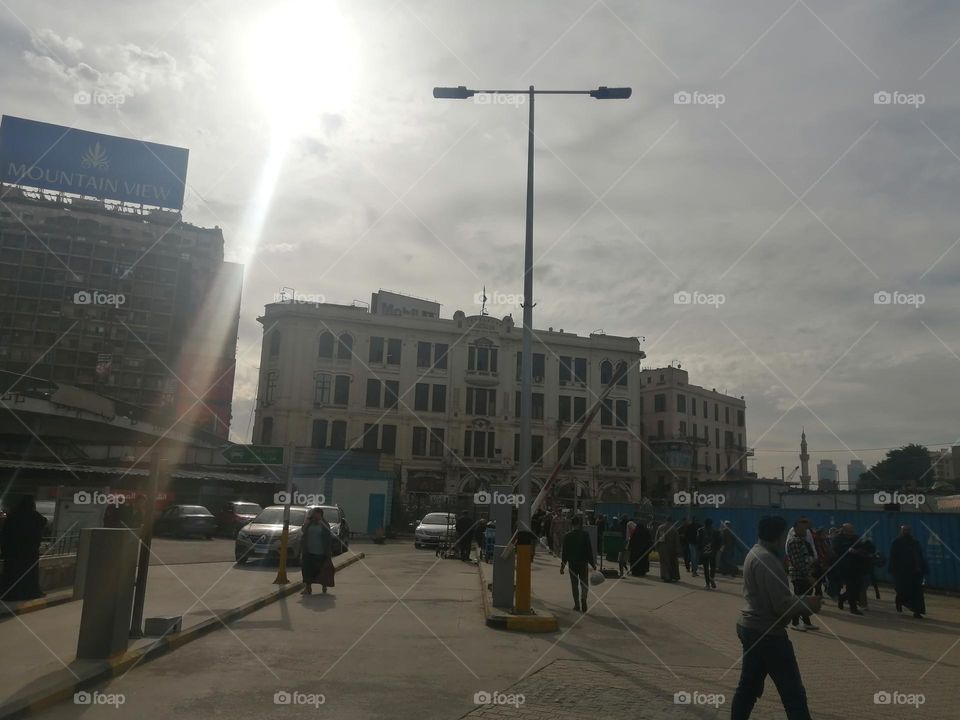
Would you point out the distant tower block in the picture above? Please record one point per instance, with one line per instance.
(804, 462)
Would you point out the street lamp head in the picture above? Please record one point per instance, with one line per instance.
(453, 93)
(607, 93)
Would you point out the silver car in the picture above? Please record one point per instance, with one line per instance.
(433, 527)
(260, 539)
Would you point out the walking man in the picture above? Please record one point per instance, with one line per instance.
(852, 564)
(690, 539)
(577, 552)
(762, 627)
(464, 530)
(908, 566)
(708, 544)
(801, 569)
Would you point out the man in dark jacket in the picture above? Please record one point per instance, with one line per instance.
(908, 566)
(577, 552)
(548, 529)
(708, 545)
(464, 530)
(852, 563)
(689, 537)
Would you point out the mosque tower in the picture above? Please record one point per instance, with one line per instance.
(804, 462)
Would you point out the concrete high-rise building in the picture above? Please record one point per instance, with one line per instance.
(134, 305)
(693, 434)
(943, 466)
(828, 477)
(804, 462)
(442, 395)
(855, 468)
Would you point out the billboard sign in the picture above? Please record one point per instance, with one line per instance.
(54, 157)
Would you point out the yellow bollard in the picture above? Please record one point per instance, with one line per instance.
(281, 578)
(524, 554)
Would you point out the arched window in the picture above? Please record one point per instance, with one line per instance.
(275, 344)
(606, 372)
(345, 347)
(325, 349)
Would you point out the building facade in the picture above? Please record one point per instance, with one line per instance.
(137, 306)
(692, 434)
(442, 396)
(943, 465)
(855, 468)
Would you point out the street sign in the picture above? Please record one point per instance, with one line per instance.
(253, 455)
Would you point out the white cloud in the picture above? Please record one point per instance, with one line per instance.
(125, 69)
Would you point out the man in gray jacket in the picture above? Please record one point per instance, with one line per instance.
(762, 626)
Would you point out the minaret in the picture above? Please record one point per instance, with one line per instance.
(804, 462)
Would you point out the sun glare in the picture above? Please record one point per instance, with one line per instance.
(302, 63)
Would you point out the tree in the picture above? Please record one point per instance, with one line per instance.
(904, 468)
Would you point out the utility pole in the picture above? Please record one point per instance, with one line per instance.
(281, 578)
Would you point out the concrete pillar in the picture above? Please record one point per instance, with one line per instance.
(503, 568)
(107, 592)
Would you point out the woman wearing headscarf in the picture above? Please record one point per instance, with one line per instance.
(20, 547)
(639, 546)
(668, 547)
(728, 551)
(317, 541)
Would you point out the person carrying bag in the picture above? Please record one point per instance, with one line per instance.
(317, 544)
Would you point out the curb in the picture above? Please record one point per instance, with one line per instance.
(29, 606)
(543, 622)
(42, 699)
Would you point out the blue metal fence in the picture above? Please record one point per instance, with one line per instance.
(938, 533)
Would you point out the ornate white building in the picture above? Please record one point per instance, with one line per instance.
(441, 395)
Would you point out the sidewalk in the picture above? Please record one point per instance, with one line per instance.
(45, 641)
(643, 641)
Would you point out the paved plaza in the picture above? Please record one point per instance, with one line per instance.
(403, 636)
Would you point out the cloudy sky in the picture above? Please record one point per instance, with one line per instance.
(786, 186)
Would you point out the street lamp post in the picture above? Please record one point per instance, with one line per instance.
(526, 366)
